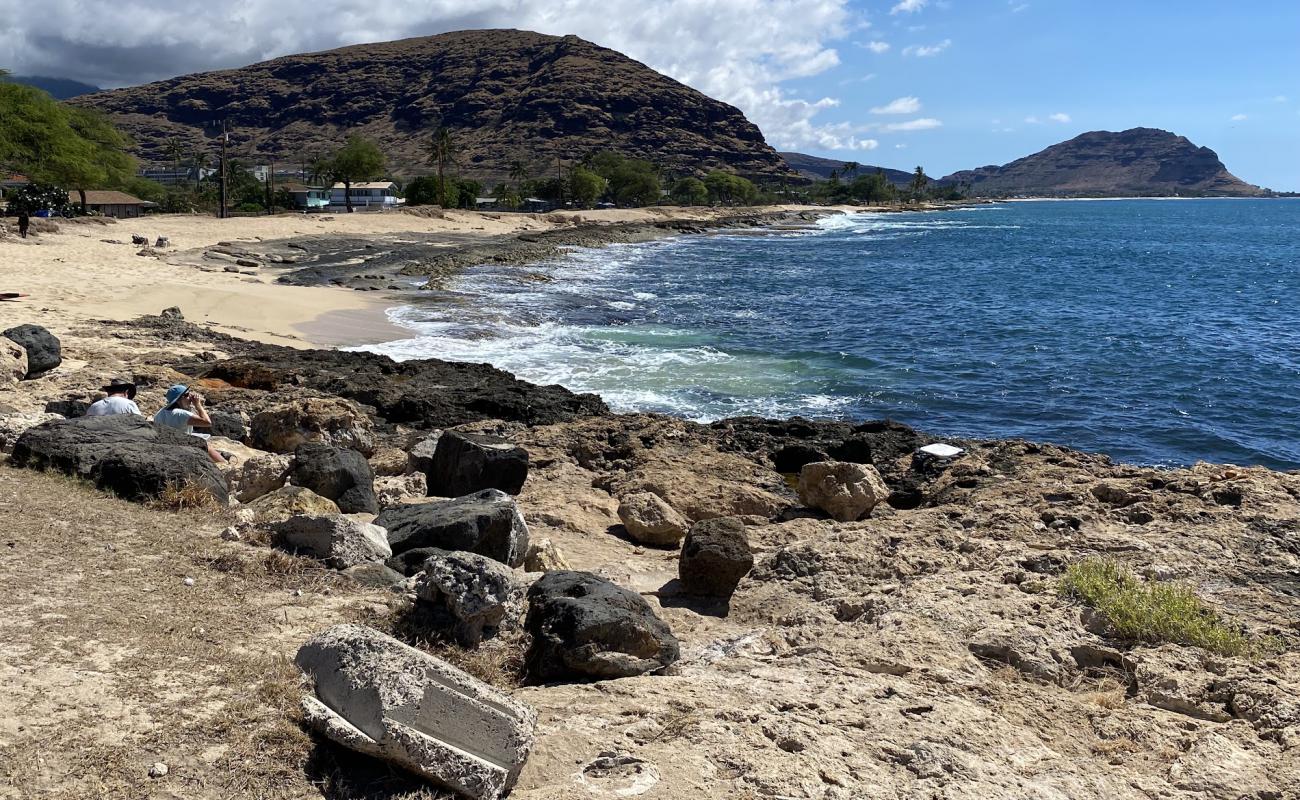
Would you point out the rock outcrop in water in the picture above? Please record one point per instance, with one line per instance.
(1135, 162)
(506, 95)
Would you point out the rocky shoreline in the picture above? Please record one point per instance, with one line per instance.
(808, 609)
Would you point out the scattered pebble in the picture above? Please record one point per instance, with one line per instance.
(188, 581)
(297, 592)
(158, 770)
(231, 534)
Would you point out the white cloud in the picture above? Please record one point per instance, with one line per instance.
(1032, 120)
(739, 51)
(908, 6)
(919, 124)
(1280, 99)
(903, 105)
(1059, 117)
(900, 147)
(922, 50)
(1016, 8)
(876, 46)
(1239, 118)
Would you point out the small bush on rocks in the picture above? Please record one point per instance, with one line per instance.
(1153, 612)
(186, 496)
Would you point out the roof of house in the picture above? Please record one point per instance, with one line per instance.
(101, 197)
(370, 185)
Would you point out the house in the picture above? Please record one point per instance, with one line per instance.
(381, 194)
(308, 198)
(110, 204)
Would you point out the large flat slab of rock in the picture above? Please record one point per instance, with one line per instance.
(463, 463)
(123, 454)
(487, 523)
(386, 699)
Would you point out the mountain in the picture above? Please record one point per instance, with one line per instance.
(819, 169)
(1140, 161)
(505, 95)
(59, 88)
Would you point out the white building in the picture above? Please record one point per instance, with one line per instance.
(365, 195)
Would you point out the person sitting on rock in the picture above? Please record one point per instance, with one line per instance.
(120, 400)
(184, 411)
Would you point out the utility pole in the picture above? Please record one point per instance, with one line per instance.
(270, 189)
(225, 139)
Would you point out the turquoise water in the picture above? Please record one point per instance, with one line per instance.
(1156, 331)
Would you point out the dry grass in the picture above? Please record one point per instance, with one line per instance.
(186, 496)
(1152, 612)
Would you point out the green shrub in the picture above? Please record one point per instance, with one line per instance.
(1151, 612)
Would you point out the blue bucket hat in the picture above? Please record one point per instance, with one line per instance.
(175, 393)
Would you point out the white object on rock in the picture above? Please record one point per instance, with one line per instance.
(231, 534)
(158, 770)
(188, 581)
(845, 490)
(940, 450)
(386, 699)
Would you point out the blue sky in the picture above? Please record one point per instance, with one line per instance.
(947, 84)
(1226, 75)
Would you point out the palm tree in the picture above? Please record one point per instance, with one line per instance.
(851, 168)
(518, 172)
(175, 151)
(919, 180)
(442, 152)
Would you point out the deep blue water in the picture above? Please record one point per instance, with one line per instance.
(1156, 331)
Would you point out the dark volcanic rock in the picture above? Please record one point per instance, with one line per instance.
(487, 523)
(1139, 161)
(506, 95)
(230, 424)
(715, 556)
(585, 627)
(67, 408)
(424, 393)
(790, 444)
(43, 350)
(124, 454)
(336, 473)
(464, 463)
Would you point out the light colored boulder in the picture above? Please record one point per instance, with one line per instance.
(337, 540)
(389, 461)
(13, 361)
(544, 556)
(1220, 769)
(290, 501)
(397, 489)
(330, 421)
(842, 489)
(386, 699)
(13, 425)
(650, 520)
(261, 475)
(467, 594)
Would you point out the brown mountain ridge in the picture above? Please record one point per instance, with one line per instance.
(1138, 161)
(506, 95)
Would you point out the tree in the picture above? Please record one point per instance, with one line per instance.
(730, 189)
(690, 192)
(851, 169)
(585, 186)
(632, 181)
(37, 197)
(507, 196)
(100, 159)
(518, 172)
(358, 160)
(175, 151)
(442, 153)
(199, 161)
(919, 180)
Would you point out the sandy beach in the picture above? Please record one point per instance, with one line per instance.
(76, 275)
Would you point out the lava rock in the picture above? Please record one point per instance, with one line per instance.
(586, 627)
(283, 428)
(486, 522)
(336, 473)
(230, 424)
(43, 350)
(290, 501)
(466, 595)
(464, 463)
(124, 454)
(715, 556)
(337, 540)
(374, 575)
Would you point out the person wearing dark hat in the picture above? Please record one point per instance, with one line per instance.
(120, 400)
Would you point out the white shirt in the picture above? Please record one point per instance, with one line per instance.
(116, 404)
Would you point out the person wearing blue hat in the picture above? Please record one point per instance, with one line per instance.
(184, 411)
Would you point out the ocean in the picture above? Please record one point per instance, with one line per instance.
(1157, 331)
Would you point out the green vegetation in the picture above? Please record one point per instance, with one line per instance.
(631, 181)
(55, 144)
(730, 189)
(358, 160)
(1152, 612)
(585, 186)
(690, 192)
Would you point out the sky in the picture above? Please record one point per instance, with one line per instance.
(945, 84)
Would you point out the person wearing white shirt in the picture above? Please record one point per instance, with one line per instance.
(120, 400)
